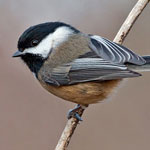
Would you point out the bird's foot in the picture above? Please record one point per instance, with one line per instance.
(75, 112)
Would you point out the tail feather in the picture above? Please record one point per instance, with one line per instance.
(140, 68)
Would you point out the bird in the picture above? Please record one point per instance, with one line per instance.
(75, 66)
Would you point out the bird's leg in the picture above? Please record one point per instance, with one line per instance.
(75, 112)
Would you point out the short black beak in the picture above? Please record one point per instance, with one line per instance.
(17, 54)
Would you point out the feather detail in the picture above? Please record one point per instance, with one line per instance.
(114, 52)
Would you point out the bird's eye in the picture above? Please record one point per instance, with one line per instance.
(34, 42)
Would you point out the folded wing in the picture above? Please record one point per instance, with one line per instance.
(86, 70)
(105, 61)
(114, 52)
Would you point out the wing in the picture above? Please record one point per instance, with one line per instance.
(86, 70)
(114, 52)
(105, 61)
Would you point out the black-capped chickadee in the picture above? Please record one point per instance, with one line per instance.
(75, 66)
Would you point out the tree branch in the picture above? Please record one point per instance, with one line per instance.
(120, 37)
(130, 20)
(68, 132)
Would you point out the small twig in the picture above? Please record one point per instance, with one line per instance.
(68, 132)
(130, 20)
(121, 35)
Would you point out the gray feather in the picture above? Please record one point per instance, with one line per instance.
(141, 68)
(90, 69)
(114, 52)
(106, 61)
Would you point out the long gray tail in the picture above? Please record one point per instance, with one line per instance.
(142, 68)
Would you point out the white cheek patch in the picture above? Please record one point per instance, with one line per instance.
(51, 41)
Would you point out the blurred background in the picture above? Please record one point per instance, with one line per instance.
(33, 119)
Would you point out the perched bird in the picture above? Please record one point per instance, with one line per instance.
(75, 66)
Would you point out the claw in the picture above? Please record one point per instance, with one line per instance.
(74, 113)
(77, 116)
